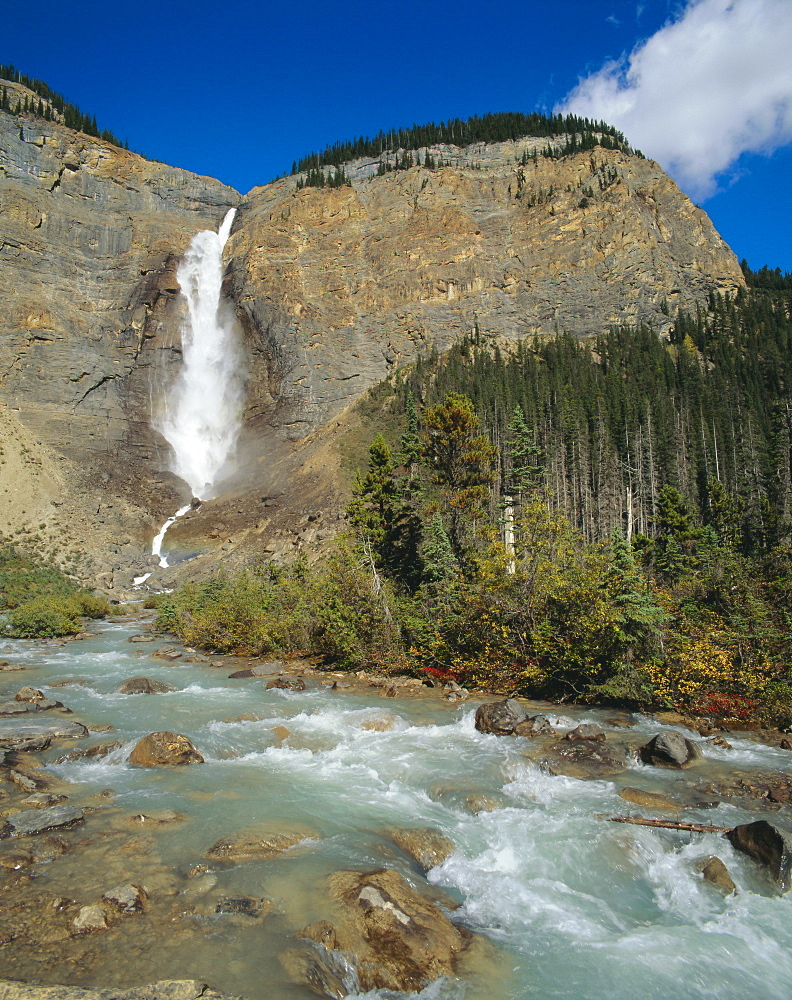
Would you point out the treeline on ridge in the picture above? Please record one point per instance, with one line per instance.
(556, 522)
(495, 127)
(50, 106)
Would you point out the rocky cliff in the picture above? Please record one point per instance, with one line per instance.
(335, 288)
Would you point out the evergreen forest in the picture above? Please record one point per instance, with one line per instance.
(496, 127)
(607, 521)
(50, 106)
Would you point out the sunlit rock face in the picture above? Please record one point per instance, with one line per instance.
(337, 287)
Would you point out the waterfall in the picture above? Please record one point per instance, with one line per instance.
(202, 411)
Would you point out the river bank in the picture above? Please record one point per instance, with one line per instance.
(555, 897)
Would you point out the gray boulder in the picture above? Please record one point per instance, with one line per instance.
(670, 750)
(144, 685)
(33, 821)
(500, 717)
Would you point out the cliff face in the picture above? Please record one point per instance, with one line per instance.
(334, 287)
(339, 286)
(91, 235)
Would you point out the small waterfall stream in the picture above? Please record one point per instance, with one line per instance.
(201, 416)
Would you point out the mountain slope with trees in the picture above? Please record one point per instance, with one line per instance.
(514, 539)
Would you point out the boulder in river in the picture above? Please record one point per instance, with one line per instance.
(717, 874)
(500, 717)
(33, 821)
(260, 670)
(164, 748)
(536, 725)
(397, 939)
(144, 685)
(670, 750)
(767, 844)
(425, 845)
(30, 694)
(287, 683)
(167, 653)
(255, 843)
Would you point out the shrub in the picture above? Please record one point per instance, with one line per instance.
(45, 618)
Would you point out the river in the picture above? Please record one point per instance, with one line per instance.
(572, 906)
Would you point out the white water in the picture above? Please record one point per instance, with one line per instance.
(575, 907)
(201, 414)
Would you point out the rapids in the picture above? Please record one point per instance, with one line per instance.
(574, 906)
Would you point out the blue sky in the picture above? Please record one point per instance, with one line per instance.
(239, 90)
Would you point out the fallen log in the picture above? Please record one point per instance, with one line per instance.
(667, 824)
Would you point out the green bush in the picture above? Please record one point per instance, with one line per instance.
(92, 606)
(45, 618)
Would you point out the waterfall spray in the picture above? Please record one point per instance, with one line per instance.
(202, 412)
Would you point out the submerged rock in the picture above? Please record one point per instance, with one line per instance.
(582, 758)
(127, 898)
(670, 750)
(17, 734)
(259, 842)
(164, 748)
(425, 845)
(98, 750)
(144, 685)
(586, 731)
(652, 800)
(245, 906)
(770, 846)
(33, 821)
(396, 939)
(90, 919)
(500, 717)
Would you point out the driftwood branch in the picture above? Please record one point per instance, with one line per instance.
(667, 824)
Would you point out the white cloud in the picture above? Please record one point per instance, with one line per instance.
(707, 87)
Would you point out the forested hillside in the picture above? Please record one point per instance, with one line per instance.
(606, 521)
(498, 127)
